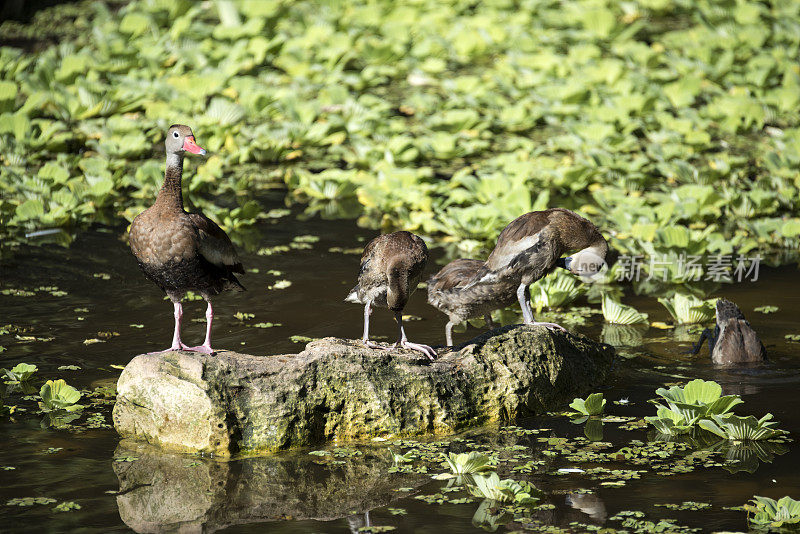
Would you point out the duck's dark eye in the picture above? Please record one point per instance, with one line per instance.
(175, 135)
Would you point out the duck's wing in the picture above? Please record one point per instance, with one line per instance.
(365, 268)
(215, 245)
(455, 274)
(529, 245)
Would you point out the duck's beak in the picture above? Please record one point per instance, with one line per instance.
(190, 146)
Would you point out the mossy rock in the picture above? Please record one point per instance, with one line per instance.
(337, 390)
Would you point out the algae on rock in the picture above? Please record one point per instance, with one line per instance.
(338, 390)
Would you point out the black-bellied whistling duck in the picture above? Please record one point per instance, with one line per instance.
(182, 251)
(446, 292)
(733, 339)
(531, 246)
(391, 268)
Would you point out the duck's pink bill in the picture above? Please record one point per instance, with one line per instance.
(190, 146)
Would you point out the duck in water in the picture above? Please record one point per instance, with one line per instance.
(528, 249)
(182, 251)
(733, 340)
(391, 268)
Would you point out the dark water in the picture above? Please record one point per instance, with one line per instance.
(290, 493)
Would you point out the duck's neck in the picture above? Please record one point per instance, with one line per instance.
(170, 193)
(599, 247)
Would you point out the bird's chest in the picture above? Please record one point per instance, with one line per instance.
(157, 240)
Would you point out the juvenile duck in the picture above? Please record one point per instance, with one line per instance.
(531, 246)
(391, 268)
(733, 339)
(182, 251)
(447, 293)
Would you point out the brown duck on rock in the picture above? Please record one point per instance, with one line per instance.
(528, 249)
(182, 251)
(391, 268)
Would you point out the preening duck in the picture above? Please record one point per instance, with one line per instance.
(448, 294)
(182, 251)
(531, 246)
(733, 339)
(391, 268)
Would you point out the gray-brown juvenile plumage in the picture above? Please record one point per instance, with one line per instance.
(391, 268)
(447, 293)
(182, 251)
(530, 247)
(733, 340)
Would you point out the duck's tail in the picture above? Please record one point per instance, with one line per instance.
(353, 296)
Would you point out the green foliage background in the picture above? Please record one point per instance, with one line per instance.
(672, 125)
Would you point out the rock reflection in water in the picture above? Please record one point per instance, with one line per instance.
(162, 492)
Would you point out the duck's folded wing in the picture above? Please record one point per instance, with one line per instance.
(457, 273)
(215, 245)
(525, 253)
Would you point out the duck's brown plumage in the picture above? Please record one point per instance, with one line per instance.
(736, 341)
(529, 247)
(391, 269)
(392, 266)
(448, 293)
(182, 251)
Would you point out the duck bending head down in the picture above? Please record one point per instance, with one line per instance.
(532, 245)
(392, 266)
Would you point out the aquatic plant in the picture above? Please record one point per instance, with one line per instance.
(555, 290)
(58, 395)
(703, 397)
(687, 405)
(489, 518)
(735, 428)
(766, 513)
(688, 309)
(672, 422)
(19, 373)
(491, 487)
(399, 459)
(592, 405)
(516, 109)
(468, 463)
(617, 313)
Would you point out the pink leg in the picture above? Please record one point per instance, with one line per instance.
(365, 338)
(176, 336)
(551, 326)
(206, 346)
(403, 342)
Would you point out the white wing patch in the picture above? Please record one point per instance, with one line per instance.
(513, 250)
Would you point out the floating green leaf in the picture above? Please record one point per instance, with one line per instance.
(618, 313)
(735, 428)
(764, 512)
(688, 309)
(20, 372)
(58, 395)
(592, 405)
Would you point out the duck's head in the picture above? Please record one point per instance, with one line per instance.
(180, 139)
(588, 262)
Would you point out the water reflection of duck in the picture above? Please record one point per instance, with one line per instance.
(182, 251)
(447, 294)
(391, 268)
(590, 504)
(530, 247)
(733, 339)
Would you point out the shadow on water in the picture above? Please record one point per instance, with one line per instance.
(88, 306)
